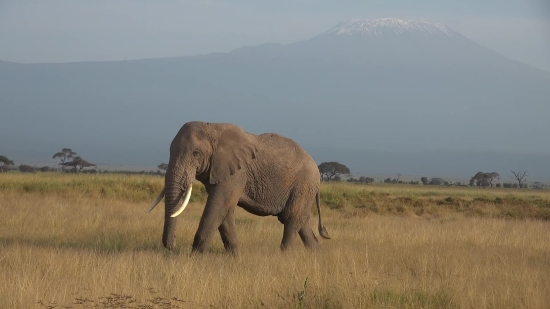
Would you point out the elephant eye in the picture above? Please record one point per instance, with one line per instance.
(196, 153)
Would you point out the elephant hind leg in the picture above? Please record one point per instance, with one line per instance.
(296, 218)
(289, 234)
(304, 230)
(308, 237)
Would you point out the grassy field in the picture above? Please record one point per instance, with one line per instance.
(85, 241)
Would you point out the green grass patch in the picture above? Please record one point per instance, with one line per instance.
(410, 299)
(349, 199)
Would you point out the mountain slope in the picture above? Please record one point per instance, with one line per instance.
(390, 41)
(385, 85)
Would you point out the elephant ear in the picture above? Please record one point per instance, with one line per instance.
(234, 151)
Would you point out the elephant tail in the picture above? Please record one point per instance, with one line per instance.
(322, 230)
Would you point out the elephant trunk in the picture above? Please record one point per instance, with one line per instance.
(169, 233)
(175, 186)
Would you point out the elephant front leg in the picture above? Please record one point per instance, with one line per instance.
(218, 214)
(228, 232)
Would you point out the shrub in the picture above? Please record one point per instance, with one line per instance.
(26, 169)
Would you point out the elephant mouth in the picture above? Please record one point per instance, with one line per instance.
(180, 209)
(185, 202)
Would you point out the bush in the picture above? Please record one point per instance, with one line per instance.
(437, 182)
(45, 169)
(538, 185)
(361, 179)
(26, 169)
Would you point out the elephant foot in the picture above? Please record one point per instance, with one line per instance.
(234, 253)
(231, 249)
(197, 250)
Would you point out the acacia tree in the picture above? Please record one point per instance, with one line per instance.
(482, 179)
(331, 169)
(64, 155)
(519, 176)
(492, 176)
(78, 164)
(5, 163)
(162, 167)
(398, 176)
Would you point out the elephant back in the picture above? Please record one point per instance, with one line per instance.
(280, 148)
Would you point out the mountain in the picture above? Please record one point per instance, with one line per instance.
(407, 93)
(388, 41)
(385, 27)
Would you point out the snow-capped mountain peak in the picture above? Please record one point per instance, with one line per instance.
(380, 26)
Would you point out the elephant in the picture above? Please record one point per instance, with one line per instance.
(266, 175)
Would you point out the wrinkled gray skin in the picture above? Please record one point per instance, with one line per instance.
(267, 175)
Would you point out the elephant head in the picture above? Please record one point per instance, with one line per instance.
(207, 152)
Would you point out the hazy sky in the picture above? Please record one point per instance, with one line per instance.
(76, 30)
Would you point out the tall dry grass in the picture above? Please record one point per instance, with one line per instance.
(82, 249)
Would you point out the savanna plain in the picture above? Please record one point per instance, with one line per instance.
(85, 241)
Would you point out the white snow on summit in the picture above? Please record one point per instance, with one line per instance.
(377, 27)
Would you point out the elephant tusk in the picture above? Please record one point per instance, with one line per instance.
(185, 201)
(161, 195)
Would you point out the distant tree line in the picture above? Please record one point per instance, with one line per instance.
(70, 162)
(329, 171)
(66, 156)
